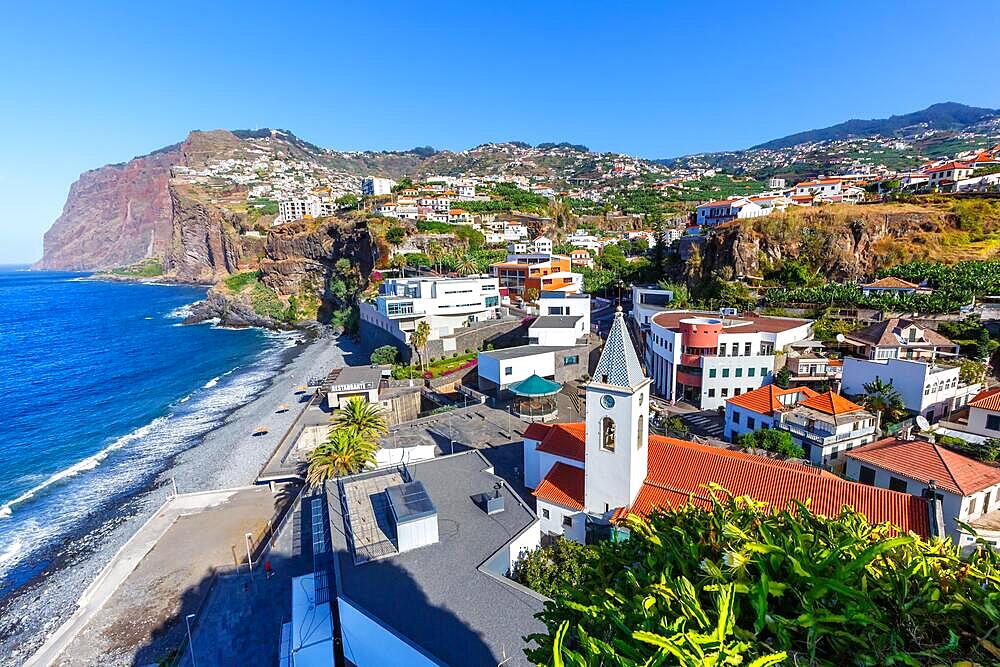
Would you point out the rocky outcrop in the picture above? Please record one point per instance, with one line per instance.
(846, 243)
(114, 216)
(204, 243)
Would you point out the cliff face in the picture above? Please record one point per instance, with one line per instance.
(114, 216)
(204, 243)
(841, 243)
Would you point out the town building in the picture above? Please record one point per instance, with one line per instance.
(946, 175)
(705, 358)
(647, 301)
(400, 401)
(892, 286)
(557, 330)
(374, 186)
(523, 274)
(499, 369)
(581, 257)
(299, 209)
(417, 563)
(897, 338)
(828, 188)
(725, 210)
(446, 304)
(581, 238)
(981, 416)
(592, 475)
(563, 303)
(967, 489)
(930, 390)
(824, 425)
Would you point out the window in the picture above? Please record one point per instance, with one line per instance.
(567, 521)
(509, 370)
(751, 372)
(747, 348)
(736, 417)
(763, 371)
(725, 392)
(639, 435)
(725, 372)
(897, 484)
(711, 372)
(608, 434)
(711, 393)
(972, 506)
(993, 422)
(722, 350)
(866, 475)
(739, 372)
(736, 349)
(571, 360)
(751, 423)
(545, 513)
(986, 502)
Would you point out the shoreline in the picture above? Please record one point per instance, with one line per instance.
(225, 456)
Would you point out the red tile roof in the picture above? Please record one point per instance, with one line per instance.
(949, 166)
(923, 461)
(679, 469)
(831, 403)
(562, 486)
(565, 440)
(987, 400)
(719, 202)
(537, 431)
(823, 181)
(766, 400)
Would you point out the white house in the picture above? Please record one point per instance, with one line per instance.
(581, 238)
(373, 186)
(931, 390)
(542, 244)
(828, 188)
(984, 414)
(557, 330)
(945, 175)
(553, 302)
(966, 488)
(444, 303)
(498, 369)
(761, 408)
(298, 209)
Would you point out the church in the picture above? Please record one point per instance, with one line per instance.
(590, 475)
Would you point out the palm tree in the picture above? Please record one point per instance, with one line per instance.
(435, 252)
(882, 399)
(419, 339)
(466, 265)
(345, 452)
(364, 418)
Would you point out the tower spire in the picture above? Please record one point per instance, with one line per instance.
(619, 364)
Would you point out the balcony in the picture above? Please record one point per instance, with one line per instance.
(689, 379)
(691, 359)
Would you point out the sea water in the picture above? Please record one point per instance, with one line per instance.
(100, 385)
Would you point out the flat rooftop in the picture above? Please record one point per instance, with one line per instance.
(437, 596)
(556, 322)
(744, 323)
(352, 377)
(522, 351)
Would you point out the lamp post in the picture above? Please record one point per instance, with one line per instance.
(246, 537)
(187, 622)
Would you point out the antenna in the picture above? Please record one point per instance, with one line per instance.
(922, 423)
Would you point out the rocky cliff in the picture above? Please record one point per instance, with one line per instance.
(114, 216)
(205, 244)
(844, 243)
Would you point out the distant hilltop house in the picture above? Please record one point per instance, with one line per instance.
(897, 338)
(374, 186)
(829, 190)
(892, 286)
(718, 212)
(304, 208)
(946, 175)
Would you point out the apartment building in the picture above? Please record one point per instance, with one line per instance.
(446, 304)
(705, 358)
(931, 390)
(521, 273)
(374, 186)
(581, 238)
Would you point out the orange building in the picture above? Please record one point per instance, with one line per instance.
(552, 274)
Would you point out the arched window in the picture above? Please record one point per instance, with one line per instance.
(608, 434)
(640, 439)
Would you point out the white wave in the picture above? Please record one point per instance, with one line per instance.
(181, 312)
(211, 383)
(11, 550)
(88, 463)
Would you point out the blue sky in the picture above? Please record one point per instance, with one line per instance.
(105, 82)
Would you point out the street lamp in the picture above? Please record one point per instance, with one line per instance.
(246, 537)
(187, 622)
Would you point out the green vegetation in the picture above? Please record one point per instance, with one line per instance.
(559, 567)
(741, 584)
(507, 197)
(772, 440)
(346, 201)
(988, 451)
(265, 302)
(352, 443)
(395, 235)
(147, 268)
(436, 368)
(973, 338)
(883, 398)
(383, 355)
(237, 281)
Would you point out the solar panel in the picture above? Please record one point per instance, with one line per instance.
(410, 502)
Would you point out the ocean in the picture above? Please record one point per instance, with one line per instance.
(101, 386)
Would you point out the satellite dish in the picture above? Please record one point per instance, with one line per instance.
(841, 338)
(922, 423)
